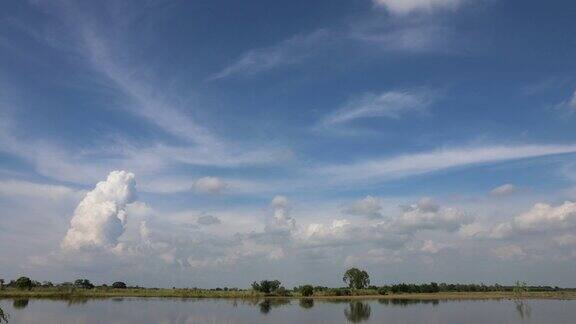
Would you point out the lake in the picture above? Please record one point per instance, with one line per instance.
(170, 310)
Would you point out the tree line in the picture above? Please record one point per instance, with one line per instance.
(357, 282)
(25, 283)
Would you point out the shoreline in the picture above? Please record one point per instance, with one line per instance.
(185, 294)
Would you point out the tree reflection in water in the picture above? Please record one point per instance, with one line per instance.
(306, 303)
(20, 303)
(523, 309)
(406, 302)
(267, 304)
(357, 312)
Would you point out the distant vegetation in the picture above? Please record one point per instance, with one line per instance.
(357, 281)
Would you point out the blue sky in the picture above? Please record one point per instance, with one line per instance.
(237, 141)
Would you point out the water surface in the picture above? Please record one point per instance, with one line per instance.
(171, 310)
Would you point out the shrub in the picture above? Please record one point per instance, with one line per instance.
(266, 286)
(338, 292)
(307, 290)
(83, 283)
(281, 291)
(119, 285)
(23, 283)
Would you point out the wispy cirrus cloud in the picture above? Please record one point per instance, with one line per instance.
(569, 104)
(403, 7)
(406, 35)
(504, 190)
(389, 104)
(91, 43)
(442, 159)
(287, 52)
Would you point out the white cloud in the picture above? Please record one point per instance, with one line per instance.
(36, 191)
(543, 217)
(208, 220)
(411, 36)
(369, 206)
(290, 51)
(427, 215)
(100, 218)
(540, 218)
(391, 104)
(509, 252)
(504, 190)
(281, 220)
(568, 104)
(566, 240)
(403, 7)
(473, 230)
(502, 230)
(321, 234)
(211, 185)
(420, 163)
(430, 246)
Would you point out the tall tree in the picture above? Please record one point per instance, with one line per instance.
(356, 278)
(23, 283)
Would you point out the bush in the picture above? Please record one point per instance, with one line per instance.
(83, 283)
(382, 291)
(307, 290)
(281, 291)
(266, 286)
(338, 292)
(23, 283)
(119, 285)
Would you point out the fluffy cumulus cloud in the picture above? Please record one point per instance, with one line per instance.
(210, 185)
(208, 220)
(428, 215)
(403, 7)
(504, 190)
(431, 247)
(100, 218)
(338, 232)
(544, 217)
(509, 252)
(281, 220)
(553, 223)
(369, 206)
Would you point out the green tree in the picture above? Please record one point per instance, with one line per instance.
(520, 288)
(119, 285)
(266, 286)
(47, 284)
(356, 278)
(83, 283)
(23, 283)
(307, 290)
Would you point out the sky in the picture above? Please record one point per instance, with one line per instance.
(214, 143)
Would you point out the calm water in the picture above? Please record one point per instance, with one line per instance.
(164, 310)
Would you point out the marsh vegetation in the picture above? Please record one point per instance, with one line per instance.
(357, 286)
